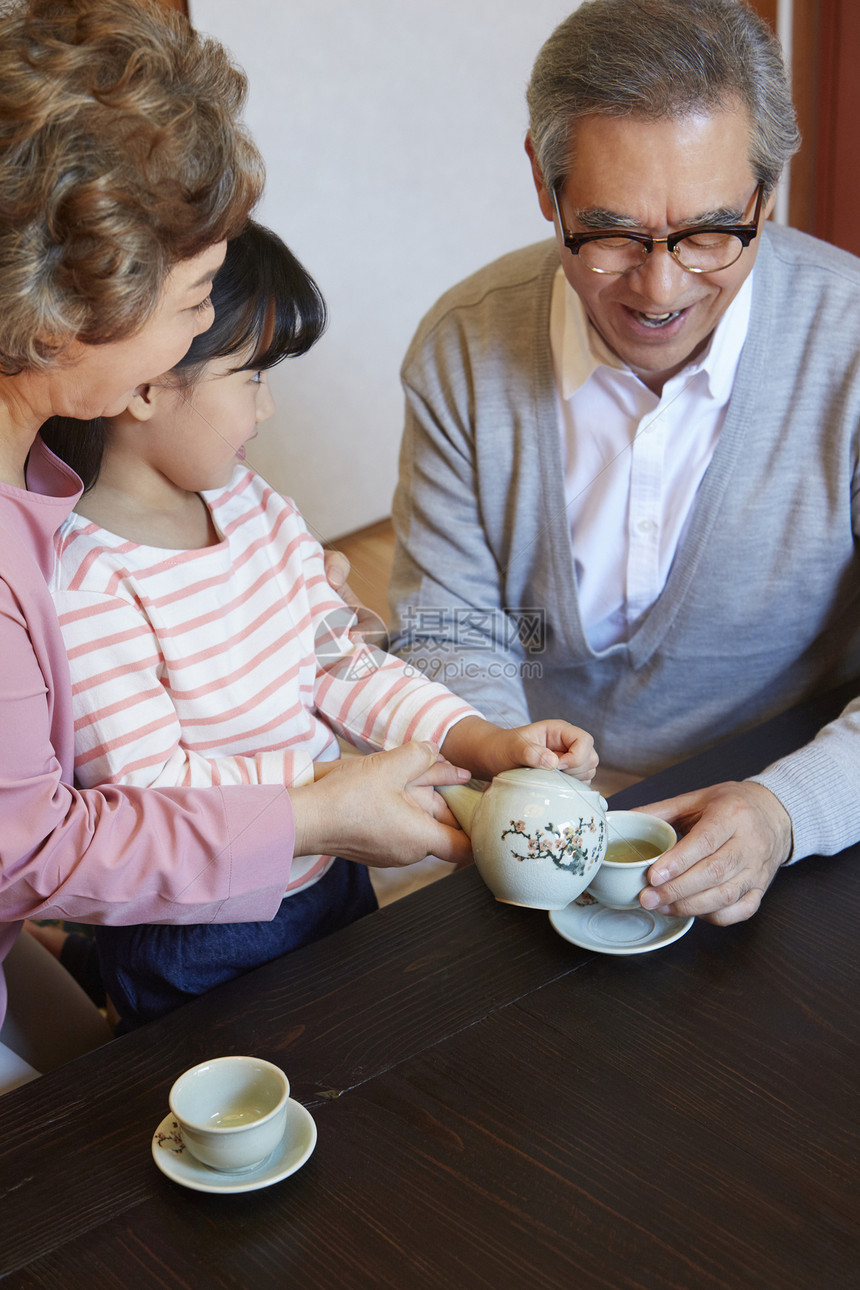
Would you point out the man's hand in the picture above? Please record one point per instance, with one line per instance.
(381, 809)
(735, 838)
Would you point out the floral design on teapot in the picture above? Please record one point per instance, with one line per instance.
(566, 847)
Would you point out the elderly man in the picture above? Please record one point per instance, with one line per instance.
(630, 461)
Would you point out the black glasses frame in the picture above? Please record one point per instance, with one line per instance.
(743, 232)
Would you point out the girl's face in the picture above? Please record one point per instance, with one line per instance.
(195, 436)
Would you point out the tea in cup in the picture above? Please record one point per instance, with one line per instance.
(231, 1111)
(634, 841)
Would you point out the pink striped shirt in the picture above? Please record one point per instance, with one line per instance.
(227, 664)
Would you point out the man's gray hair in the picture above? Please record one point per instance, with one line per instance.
(657, 59)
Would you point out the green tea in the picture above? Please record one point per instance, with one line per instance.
(633, 851)
(236, 1115)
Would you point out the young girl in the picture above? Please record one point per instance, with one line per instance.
(205, 644)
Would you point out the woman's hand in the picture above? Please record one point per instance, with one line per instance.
(381, 809)
(486, 750)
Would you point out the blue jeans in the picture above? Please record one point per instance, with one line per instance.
(151, 969)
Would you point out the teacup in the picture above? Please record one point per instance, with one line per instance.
(231, 1111)
(634, 841)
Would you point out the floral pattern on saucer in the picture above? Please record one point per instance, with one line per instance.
(170, 1140)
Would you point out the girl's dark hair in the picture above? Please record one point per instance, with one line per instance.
(267, 306)
(264, 301)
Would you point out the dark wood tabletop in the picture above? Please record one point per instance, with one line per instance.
(495, 1106)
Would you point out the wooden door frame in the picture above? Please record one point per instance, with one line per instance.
(825, 185)
(836, 203)
(805, 84)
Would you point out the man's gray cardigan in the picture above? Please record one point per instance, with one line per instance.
(762, 605)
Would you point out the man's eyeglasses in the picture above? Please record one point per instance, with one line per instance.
(705, 249)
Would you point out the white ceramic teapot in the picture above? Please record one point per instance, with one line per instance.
(538, 836)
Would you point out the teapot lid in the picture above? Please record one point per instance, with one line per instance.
(555, 781)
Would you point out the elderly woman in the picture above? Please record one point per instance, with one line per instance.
(123, 171)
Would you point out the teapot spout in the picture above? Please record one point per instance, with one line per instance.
(463, 802)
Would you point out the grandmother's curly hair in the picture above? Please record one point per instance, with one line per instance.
(121, 153)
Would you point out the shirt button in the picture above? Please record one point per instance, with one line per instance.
(646, 526)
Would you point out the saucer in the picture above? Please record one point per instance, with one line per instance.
(299, 1140)
(593, 926)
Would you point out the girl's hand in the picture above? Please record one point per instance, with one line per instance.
(485, 749)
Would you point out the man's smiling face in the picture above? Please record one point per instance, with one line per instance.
(655, 177)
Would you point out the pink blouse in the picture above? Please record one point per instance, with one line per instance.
(111, 854)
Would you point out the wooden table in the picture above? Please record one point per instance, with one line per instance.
(496, 1107)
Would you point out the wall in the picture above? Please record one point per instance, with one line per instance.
(393, 137)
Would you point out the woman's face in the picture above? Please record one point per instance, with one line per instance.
(99, 380)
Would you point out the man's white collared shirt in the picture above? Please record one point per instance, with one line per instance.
(633, 460)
